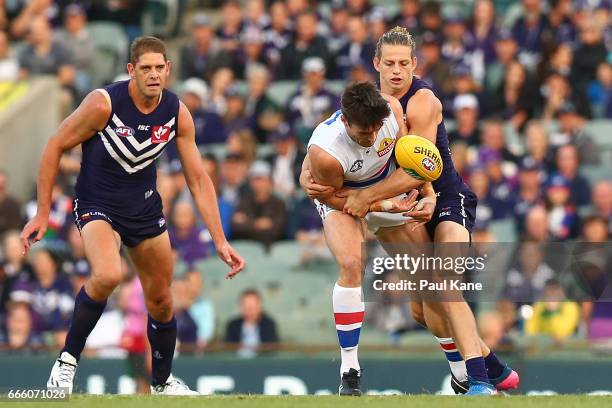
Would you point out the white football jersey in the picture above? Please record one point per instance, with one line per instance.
(363, 166)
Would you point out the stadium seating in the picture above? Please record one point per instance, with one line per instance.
(111, 51)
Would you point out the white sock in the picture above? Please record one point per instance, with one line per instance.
(348, 314)
(455, 361)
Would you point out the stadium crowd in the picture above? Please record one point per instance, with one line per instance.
(518, 96)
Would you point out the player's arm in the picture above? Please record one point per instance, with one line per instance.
(90, 117)
(203, 190)
(399, 182)
(424, 114)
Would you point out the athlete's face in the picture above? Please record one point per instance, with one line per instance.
(150, 73)
(363, 136)
(396, 67)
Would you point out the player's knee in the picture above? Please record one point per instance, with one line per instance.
(106, 281)
(159, 304)
(350, 270)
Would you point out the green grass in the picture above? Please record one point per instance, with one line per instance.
(260, 401)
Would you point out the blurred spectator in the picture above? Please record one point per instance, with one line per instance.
(506, 50)
(203, 313)
(186, 328)
(75, 38)
(295, 7)
(536, 224)
(466, 114)
(482, 34)
(516, 97)
(286, 161)
(537, 146)
(306, 227)
(208, 125)
(21, 14)
(572, 130)
(494, 140)
(312, 102)
(278, 34)
(459, 154)
(358, 7)
(256, 15)
(453, 46)
(602, 200)
(377, 23)
(259, 216)
(14, 268)
(234, 171)
(430, 17)
(50, 295)
(568, 166)
(553, 315)
(462, 83)
(557, 59)
(211, 166)
(234, 118)
(134, 335)
(528, 31)
(590, 52)
(408, 16)
(60, 217)
(558, 96)
(560, 26)
(19, 334)
(358, 50)
(305, 45)
(242, 142)
(600, 92)
(562, 216)
(479, 183)
(595, 228)
(9, 65)
(10, 207)
(433, 67)
(502, 192)
(203, 56)
(251, 51)
(76, 266)
(222, 82)
(230, 28)
(254, 328)
(263, 114)
(43, 56)
(529, 193)
(190, 241)
(127, 13)
(338, 27)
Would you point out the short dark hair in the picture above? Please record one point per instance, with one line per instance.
(362, 104)
(250, 292)
(142, 45)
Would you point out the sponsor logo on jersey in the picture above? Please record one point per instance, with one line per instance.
(385, 146)
(160, 134)
(124, 131)
(144, 127)
(356, 166)
(428, 164)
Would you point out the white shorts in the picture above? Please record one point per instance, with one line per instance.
(374, 220)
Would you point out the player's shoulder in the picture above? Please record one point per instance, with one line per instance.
(422, 102)
(327, 132)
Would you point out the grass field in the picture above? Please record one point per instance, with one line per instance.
(249, 401)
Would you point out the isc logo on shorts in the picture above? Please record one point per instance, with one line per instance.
(161, 222)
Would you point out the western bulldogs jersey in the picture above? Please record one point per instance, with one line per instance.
(449, 182)
(363, 166)
(118, 171)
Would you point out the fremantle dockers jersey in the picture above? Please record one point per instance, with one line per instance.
(449, 183)
(363, 166)
(118, 170)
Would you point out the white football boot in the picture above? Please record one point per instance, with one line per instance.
(172, 386)
(63, 371)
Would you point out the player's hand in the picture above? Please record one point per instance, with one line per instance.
(422, 212)
(37, 226)
(356, 204)
(396, 205)
(312, 189)
(231, 258)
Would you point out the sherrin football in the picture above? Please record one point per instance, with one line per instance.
(419, 157)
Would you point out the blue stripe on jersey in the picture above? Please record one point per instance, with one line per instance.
(333, 117)
(348, 338)
(453, 356)
(369, 182)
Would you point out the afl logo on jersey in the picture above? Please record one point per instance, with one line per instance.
(385, 146)
(428, 164)
(160, 134)
(124, 131)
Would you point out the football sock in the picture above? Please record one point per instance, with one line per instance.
(495, 368)
(348, 314)
(86, 314)
(476, 369)
(455, 361)
(162, 337)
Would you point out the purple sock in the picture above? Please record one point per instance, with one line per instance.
(495, 368)
(476, 369)
(162, 337)
(86, 314)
